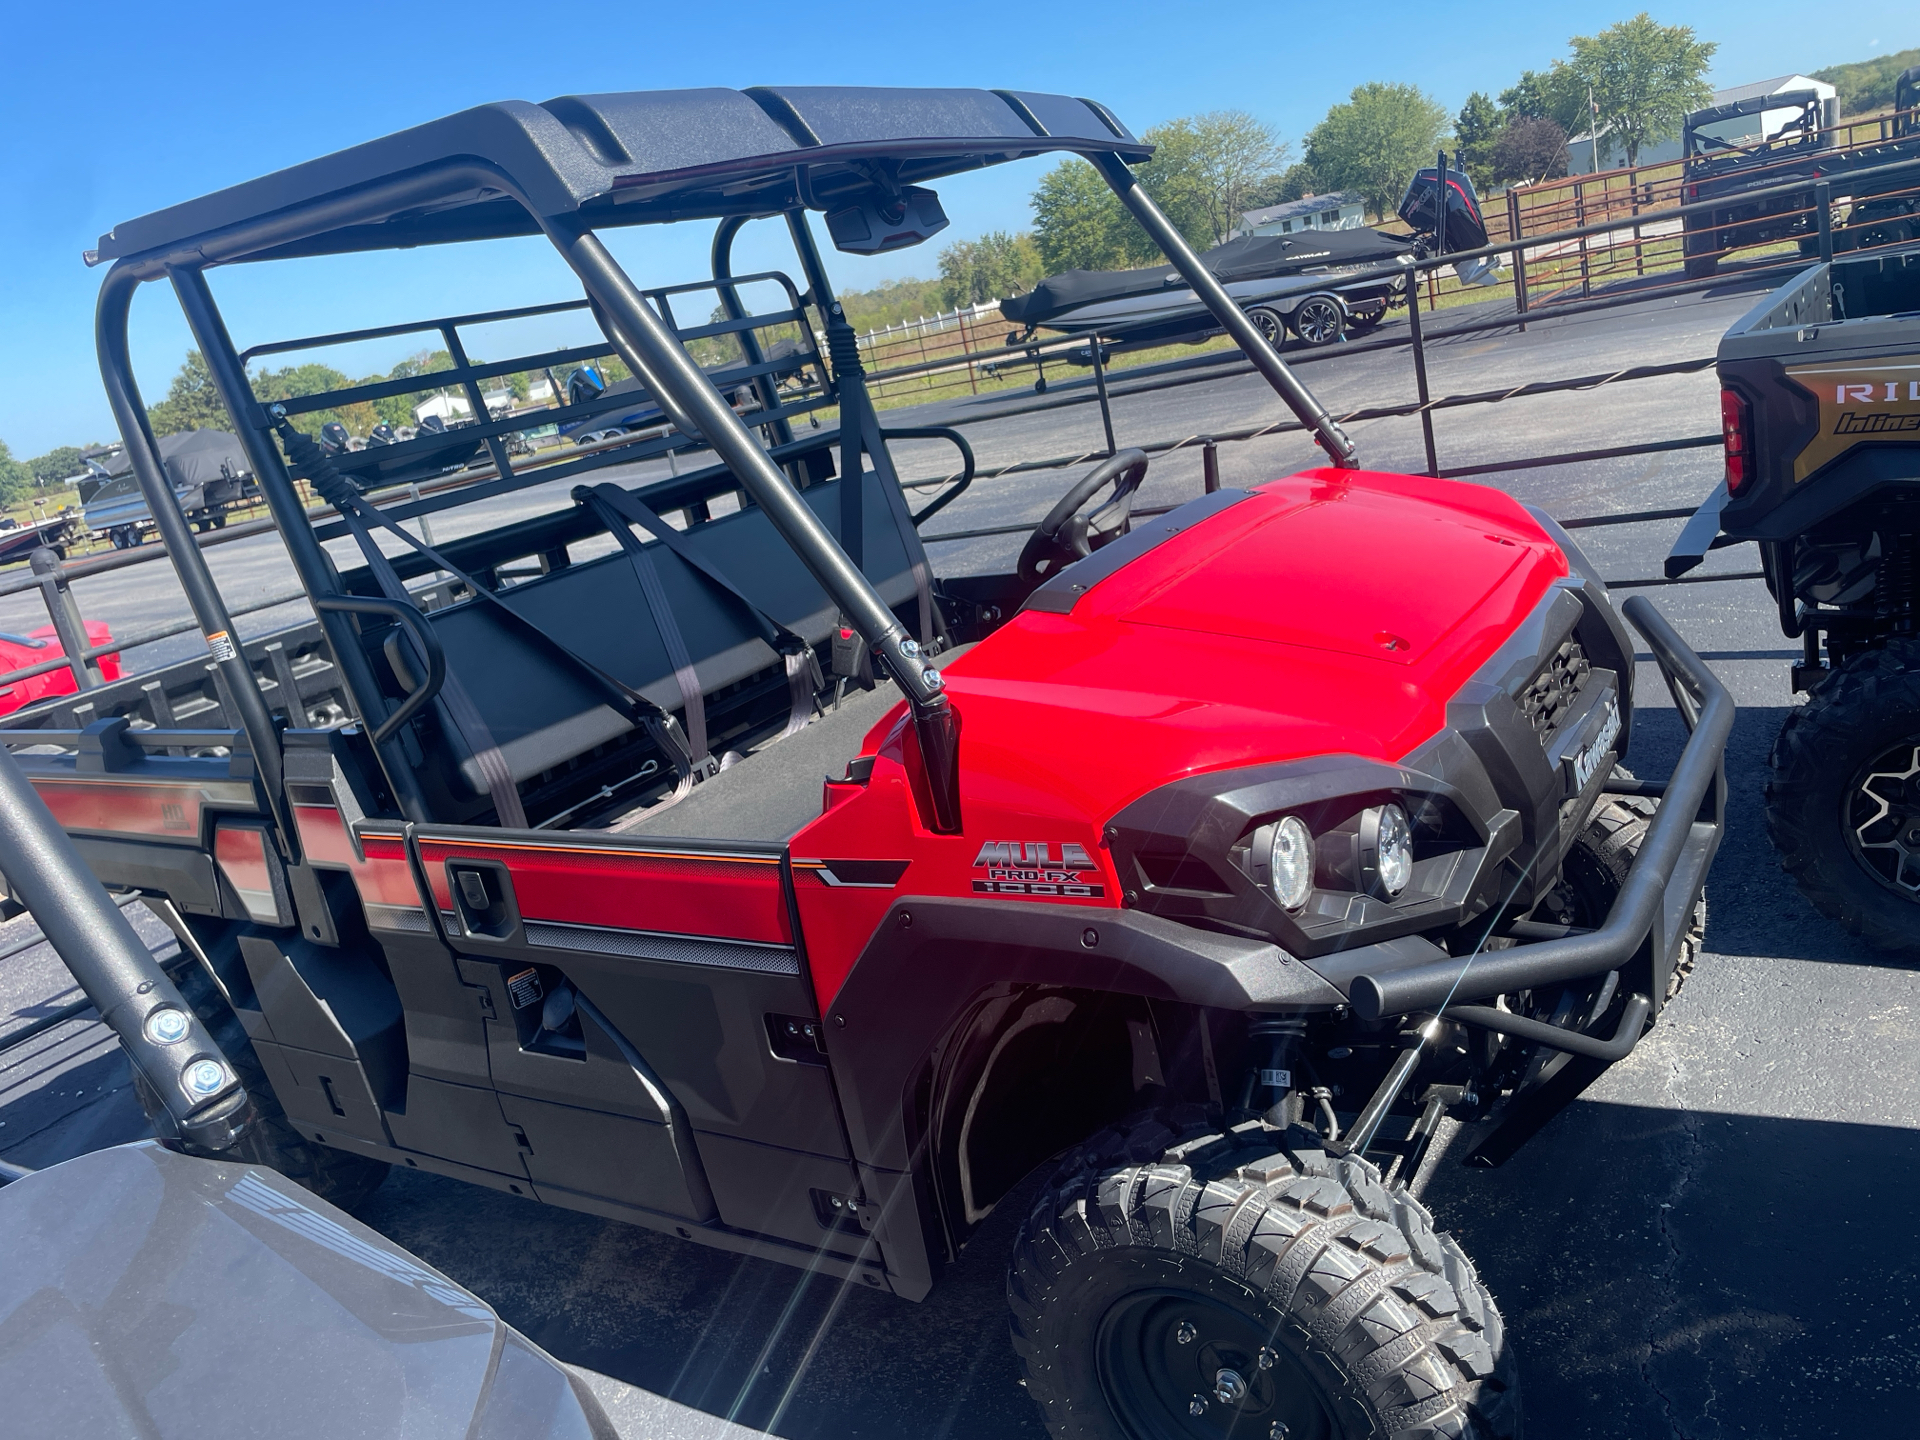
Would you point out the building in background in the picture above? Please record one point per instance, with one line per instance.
(1341, 210)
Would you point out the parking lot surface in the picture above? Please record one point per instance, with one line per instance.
(1715, 1241)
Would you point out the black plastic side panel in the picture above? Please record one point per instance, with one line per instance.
(446, 1035)
(323, 1091)
(458, 1123)
(770, 1191)
(616, 1157)
(183, 873)
(332, 1002)
(702, 1028)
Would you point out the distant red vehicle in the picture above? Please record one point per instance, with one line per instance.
(17, 652)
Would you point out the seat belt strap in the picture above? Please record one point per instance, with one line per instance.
(345, 497)
(465, 715)
(615, 507)
(684, 675)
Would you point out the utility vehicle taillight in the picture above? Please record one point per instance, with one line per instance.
(1733, 427)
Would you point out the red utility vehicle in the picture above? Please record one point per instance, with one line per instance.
(37, 647)
(695, 853)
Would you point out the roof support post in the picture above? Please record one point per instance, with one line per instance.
(310, 562)
(660, 357)
(684, 391)
(209, 610)
(1312, 414)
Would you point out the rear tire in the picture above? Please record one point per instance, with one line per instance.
(1175, 1280)
(334, 1175)
(1843, 802)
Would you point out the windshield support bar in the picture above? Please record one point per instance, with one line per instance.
(310, 561)
(189, 564)
(1310, 412)
(659, 357)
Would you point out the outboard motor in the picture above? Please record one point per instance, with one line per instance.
(585, 384)
(431, 425)
(334, 438)
(1466, 227)
(382, 434)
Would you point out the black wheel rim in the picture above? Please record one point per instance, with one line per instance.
(1318, 322)
(1177, 1364)
(1882, 820)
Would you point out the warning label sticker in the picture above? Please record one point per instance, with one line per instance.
(221, 645)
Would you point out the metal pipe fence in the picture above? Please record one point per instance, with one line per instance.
(53, 580)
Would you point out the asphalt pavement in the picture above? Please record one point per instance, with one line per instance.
(1715, 1241)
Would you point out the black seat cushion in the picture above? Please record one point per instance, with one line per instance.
(543, 710)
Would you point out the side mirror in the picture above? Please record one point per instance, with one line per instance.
(877, 223)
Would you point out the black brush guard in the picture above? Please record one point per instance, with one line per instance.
(1660, 892)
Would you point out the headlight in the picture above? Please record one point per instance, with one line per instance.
(1291, 863)
(1386, 850)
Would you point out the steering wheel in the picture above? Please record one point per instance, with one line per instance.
(1066, 535)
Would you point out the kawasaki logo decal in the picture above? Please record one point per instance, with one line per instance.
(1013, 868)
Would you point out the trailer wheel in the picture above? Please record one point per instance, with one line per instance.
(1843, 802)
(1272, 328)
(334, 1175)
(1177, 1280)
(1320, 320)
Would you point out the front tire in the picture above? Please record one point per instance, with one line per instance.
(1843, 802)
(1178, 1281)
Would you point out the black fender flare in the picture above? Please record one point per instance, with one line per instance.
(931, 958)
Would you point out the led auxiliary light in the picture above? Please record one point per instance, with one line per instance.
(1386, 850)
(168, 1026)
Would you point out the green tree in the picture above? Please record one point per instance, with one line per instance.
(1206, 170)
(1557, 96)
(993, 267)
(1868, 84)
(1476, 129)
(1375, 140)
(1295, 182)
(16, 480)
(313, 378)
(192, 403)
(1644, 78)
(1078, 223)
(61, 463)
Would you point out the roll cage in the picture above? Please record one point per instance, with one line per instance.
(566, 170)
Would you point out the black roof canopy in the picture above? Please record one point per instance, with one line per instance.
(618, 159)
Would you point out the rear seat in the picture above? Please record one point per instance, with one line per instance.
(543, 711)
(771, 799)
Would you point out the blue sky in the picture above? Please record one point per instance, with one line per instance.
(111, 110)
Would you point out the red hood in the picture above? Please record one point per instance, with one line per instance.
(1333, 612)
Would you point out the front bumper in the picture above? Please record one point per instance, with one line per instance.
(1656, 902)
